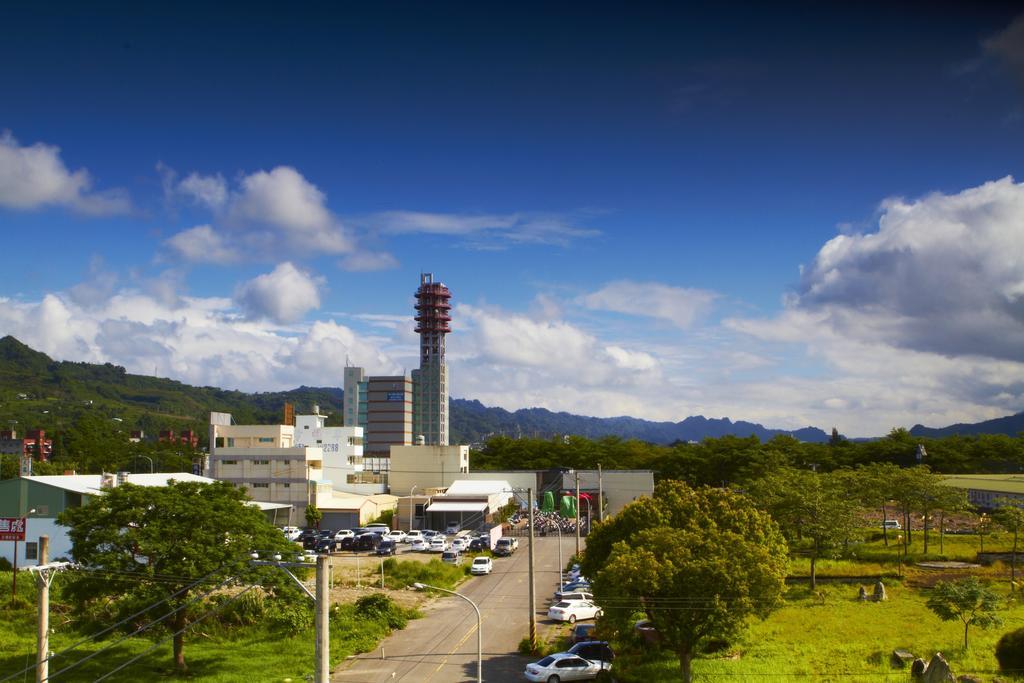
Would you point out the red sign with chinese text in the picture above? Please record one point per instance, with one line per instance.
(12, 528)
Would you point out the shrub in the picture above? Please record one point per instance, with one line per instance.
(1010, 651)
(380, 607)
(5, 565)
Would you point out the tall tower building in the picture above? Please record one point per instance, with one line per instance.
(430, 382)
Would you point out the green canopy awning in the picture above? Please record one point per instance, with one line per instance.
(569, 506)
(549, 502)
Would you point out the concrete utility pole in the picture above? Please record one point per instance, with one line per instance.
(322, 608)
(43, 627)
(323, 629)
(44, 573)
(577, 513)
(533, 589)
(600, 493)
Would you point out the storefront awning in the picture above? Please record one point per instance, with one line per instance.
(456, 506)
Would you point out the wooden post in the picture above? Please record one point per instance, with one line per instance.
(43, 627)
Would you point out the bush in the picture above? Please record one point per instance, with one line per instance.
(380, 607)
(1010, 651)
(435, 573)
(5, 565)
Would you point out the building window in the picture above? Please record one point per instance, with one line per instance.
(261, 486)
(266, 439)
(305, 426)
(319, 441)
(31, 550)
(286, 486)
(228, 462)
(260, 462)
(420, 508)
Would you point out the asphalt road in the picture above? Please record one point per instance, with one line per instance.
(442, 646)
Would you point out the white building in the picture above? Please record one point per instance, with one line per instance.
(342, 449)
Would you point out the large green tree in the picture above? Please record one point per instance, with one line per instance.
(1011, 518)
(697, 562)
(815, 511)
(142, 544)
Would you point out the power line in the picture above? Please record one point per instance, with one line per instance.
(216, 609)
(112, 627)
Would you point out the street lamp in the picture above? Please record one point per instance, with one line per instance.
(479, 627)
(137, 456)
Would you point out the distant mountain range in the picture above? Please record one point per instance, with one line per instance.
(1011, 425)
(38, 392)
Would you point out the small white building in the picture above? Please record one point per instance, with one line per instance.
(342, 449)
(40, 499)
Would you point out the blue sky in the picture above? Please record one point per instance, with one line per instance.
(796, 215)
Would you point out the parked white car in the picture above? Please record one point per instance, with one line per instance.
(438, 544)
(572, 610)
(461, 544)
(481, 565)
(566, 667)
(452, 528)
(396, 535)
(292, 533)
(414, 535)
(343, 534)
(419, 546)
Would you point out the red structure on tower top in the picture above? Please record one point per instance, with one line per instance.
(432, 306)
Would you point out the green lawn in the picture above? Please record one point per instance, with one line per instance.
(840, 639)
(213, 652)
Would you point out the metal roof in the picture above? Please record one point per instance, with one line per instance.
(456, 506)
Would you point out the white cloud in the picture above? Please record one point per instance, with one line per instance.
(484, 231)
(678, 305)
(284, 199)
(203, 244)
(210, 191)
(1008, 45)
(367, 261)
(284, 295)
(200, 341)
(944, 273)
(35, 176)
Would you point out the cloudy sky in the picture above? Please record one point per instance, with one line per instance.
(811, 215)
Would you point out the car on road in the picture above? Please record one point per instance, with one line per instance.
(387, 547)
(506, 546)
(571, 586)
(438, 544)
(396, 535)
(452, 528)
(367, 541)
(481, 565)
(594, 650)
(481, 543)
(562, 596)
(414, 535)
(419, 546)
(460, 544)
(581, 633)
(574, 610)
(451, 557)
(566, 667)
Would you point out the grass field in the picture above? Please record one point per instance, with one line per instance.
(828, 635)
(213, 652)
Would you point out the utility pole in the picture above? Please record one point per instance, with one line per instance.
(44, 573)
(533, 596)
(577, 513)
(323, 630)
(321, 607)
(600, 493)
(43, 626)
